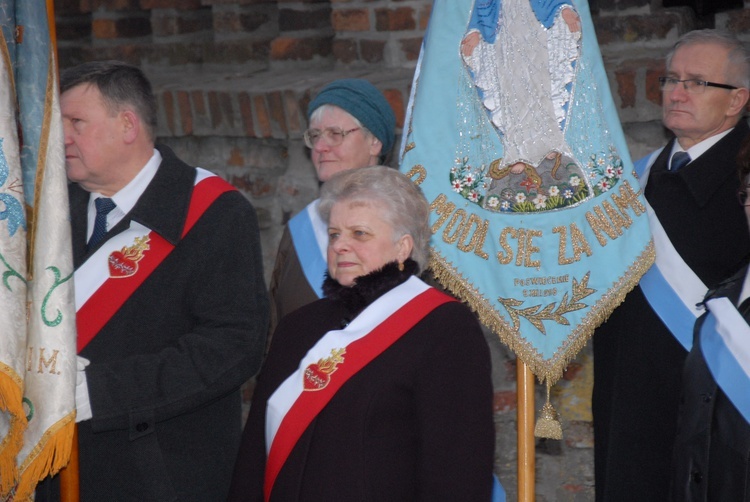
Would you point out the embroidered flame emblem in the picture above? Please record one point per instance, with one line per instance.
(124, 263)
(317, 375)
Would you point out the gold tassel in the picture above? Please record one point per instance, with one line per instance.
(548, 425)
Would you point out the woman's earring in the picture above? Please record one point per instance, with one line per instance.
(401, 266)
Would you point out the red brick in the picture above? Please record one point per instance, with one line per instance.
(169, 24)
(170, 4)
(504, 401)
(276, 104)
(292, 111)
(653, 89)
(396, 100)
(739, 21)
(168, 103)
(291, 48)
(424, 16)
(399, 19)
(345, 50)
(372, 50)
(236, 159)
(293, 19)
(114, 4)
(214, 108)
(264, 119)
(186, 112)
(350, 20)
(626, 88)
(246, 111)
(411, 48)
(199, 104)
(225, 21)
(225, 101)
(107, 29)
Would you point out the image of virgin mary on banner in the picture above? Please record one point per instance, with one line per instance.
(539, 222)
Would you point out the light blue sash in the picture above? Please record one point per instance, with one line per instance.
(672, 289)
(310, 238)
(725, 342)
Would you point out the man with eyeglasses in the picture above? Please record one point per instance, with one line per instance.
(352, 126)
(700, 236)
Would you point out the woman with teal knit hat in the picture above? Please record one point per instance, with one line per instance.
(351, 125)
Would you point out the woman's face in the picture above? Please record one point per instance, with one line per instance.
(361, 241)
(357, 149)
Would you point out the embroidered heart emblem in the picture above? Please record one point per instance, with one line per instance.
(315, 378)
(121, 265)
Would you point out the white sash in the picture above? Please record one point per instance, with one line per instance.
(310, 238)
(94, 272)
(382, 308)
(671, 287)
(725, 343)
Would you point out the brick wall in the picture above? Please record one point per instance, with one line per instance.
(234, 77)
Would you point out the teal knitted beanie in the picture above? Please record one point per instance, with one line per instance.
(363, 101)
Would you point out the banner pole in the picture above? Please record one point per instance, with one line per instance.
(69, 481)
(526, 453)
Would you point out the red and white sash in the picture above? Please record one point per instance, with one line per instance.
(335, 358)
(105, 281)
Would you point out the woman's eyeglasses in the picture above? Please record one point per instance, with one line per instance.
(334, 136)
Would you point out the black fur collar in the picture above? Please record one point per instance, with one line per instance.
(367, 288)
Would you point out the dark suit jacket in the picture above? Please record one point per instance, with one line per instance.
(166, 369)
(711, 460)
(637, 361)
(413, 425)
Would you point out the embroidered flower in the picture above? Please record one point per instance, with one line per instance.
(473, 196)
(540, 201)
(553, 190)
(574, 181)
(605, 185)
(505, 205)
(520, 197)
(457, 186)
(568, 193)
(493, 201)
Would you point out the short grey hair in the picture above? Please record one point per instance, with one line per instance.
(406, 208)
(738, 64)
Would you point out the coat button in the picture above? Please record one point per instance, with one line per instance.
(697, 476)
(707, 397)
(142, 427)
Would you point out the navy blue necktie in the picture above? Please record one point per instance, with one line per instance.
(103, 207)
(679, 160)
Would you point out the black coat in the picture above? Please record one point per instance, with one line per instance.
(166, 369)
(413, 425)
(637, 361)
(712, 450)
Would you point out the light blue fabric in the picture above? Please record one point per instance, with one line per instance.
(312, 261)
(541, 274)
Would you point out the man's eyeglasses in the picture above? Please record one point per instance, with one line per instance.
(691, 86)
(334, 136)
(742, 195)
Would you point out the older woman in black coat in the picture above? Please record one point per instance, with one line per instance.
(381, 390)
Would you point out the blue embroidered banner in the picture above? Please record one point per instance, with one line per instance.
(538, 218)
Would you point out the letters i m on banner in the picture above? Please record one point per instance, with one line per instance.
(37, 342)
(539, 222)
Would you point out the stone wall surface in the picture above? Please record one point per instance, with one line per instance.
(234, 77)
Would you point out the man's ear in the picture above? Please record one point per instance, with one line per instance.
(131, 125)
(739, 102)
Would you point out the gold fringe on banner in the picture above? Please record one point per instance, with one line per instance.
(49, 456)
(11, 395)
